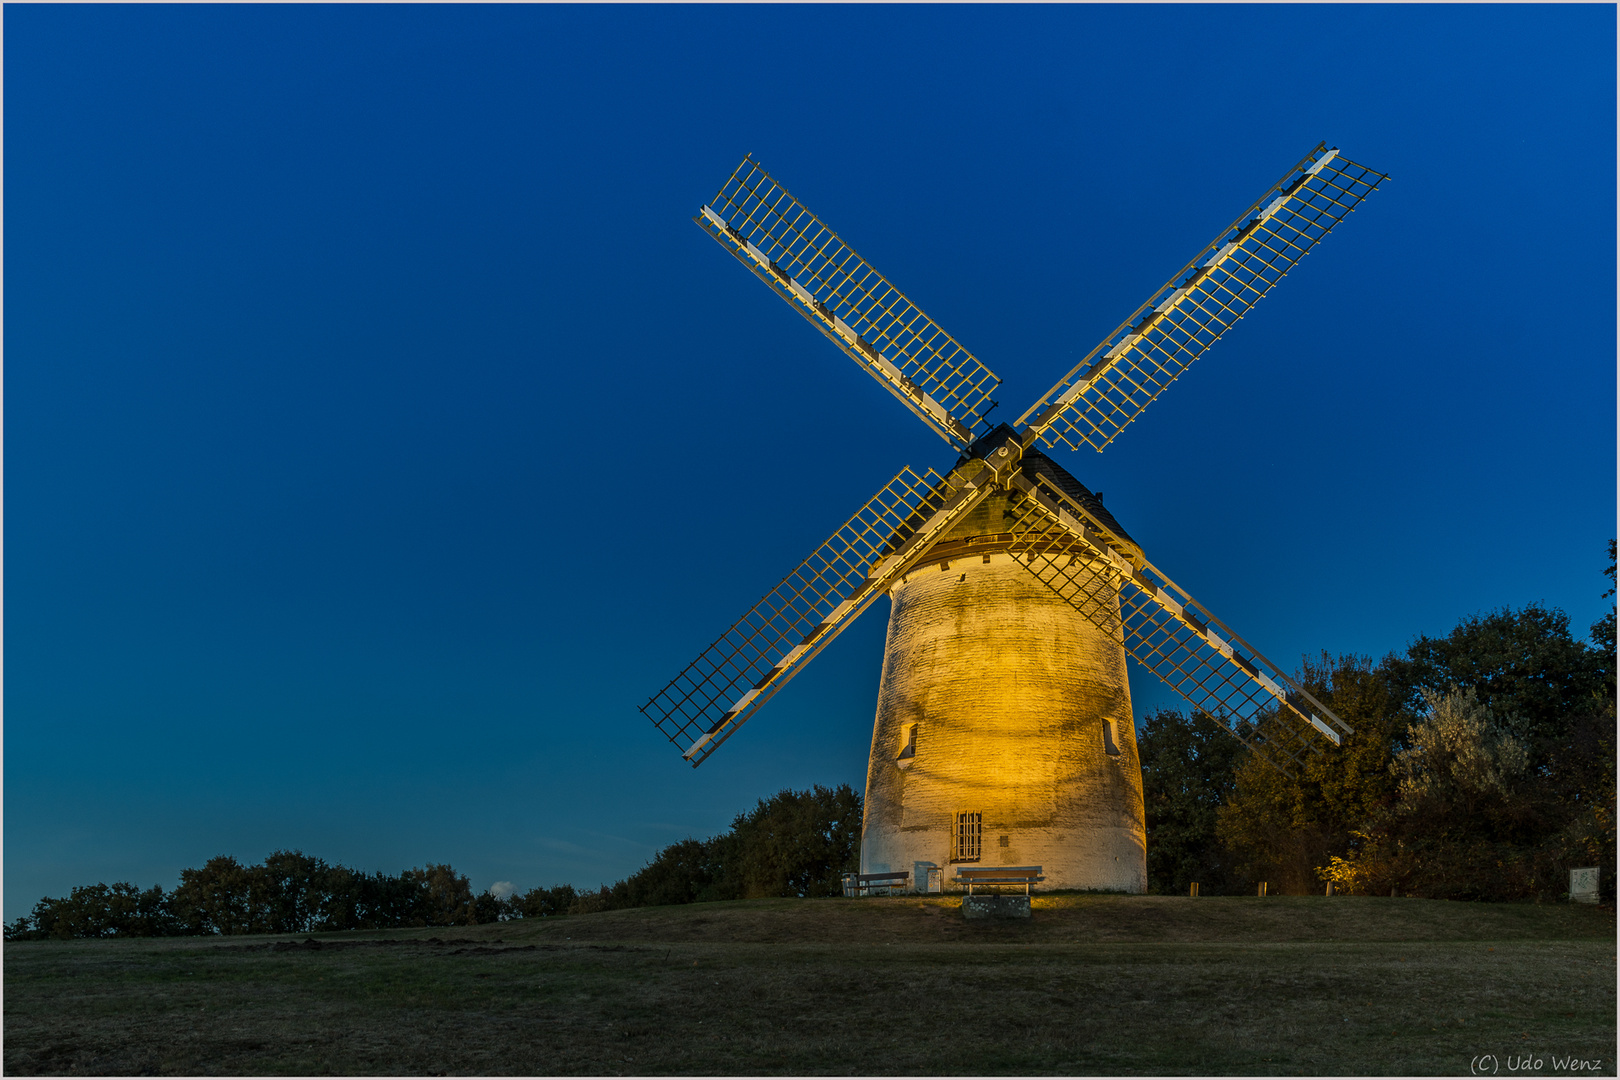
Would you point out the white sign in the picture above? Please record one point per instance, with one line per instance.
(1583, 885)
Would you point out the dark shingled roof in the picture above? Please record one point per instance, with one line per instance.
(1034, 461)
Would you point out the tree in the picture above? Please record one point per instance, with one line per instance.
(685, 872)
(1189, 768)
(796, 843)
(488, 908)
(446, 897)
(215, 899)
(99, 911)
(1583, 783)
(544, 903)
(286, 893)
(341, 901)
(1522, 664)
(289, 893)
(1457, 758)
(390, 900)
(1457, 828)
(799, 843)
(1603, 630)
(1284, 828)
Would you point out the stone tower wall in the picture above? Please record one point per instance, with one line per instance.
(1017, 699)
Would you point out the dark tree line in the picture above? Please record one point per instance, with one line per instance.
(288, 893)
(794, 844)
(1482, 767)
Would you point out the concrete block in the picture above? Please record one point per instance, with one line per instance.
(995, 907)
(1583, 885)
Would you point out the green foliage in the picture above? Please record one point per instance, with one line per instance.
(215, 898)
(1472, 822)
(99, 911)
(292, 893)
(1189, 768)
(1580, 780)
(796, 843)
(542, 903)
(1454, 828)
(1459, 756)
(1524, 665)
(1482, 767)
(488, 908)
(799, 843)
(289, 893)
(1283, 828)
(444, 897)
(285, 892)
(1603, 629)
(682, 873)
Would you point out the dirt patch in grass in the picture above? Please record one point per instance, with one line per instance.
(1091, 984)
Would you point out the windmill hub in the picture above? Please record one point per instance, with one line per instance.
(1004, 733)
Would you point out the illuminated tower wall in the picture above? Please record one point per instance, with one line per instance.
(999, 699)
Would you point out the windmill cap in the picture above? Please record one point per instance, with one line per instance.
(1036, 462)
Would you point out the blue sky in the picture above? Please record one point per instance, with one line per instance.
(381, 432)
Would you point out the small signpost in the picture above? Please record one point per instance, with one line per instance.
(1583, 885)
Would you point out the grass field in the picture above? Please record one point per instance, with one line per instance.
(1092, 984)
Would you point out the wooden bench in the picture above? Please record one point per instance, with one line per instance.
(858, 883)
(998, 875)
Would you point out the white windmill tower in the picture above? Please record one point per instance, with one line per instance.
(1004, 731)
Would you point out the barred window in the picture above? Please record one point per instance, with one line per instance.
(968, 830)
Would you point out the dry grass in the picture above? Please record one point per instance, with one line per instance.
(1093, 984)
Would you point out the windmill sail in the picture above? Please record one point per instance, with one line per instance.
(1133, 365)
(718, 692)
(1164, 628)
(1057, 531)
(823, 279)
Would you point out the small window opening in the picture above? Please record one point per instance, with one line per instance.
(908, 746)
(969, 829)
(1109, 744)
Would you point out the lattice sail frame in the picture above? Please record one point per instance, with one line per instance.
(718, 692)
(823, 278)
(1103, 575)
(1134, 602)
(1132, 366)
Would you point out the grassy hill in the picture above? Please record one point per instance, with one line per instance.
(1092, 984)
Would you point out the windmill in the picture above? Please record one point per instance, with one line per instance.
(1004, 731)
